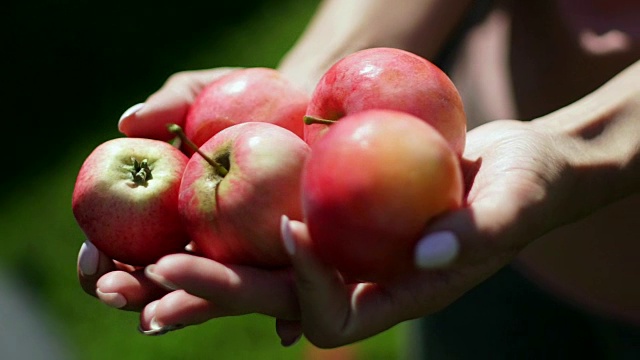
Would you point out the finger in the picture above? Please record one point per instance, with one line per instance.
(318, 285)
(127, 290)
(289, 331)
(477, 235)
(168, 105)
(238, 289)
(334, 313)
(177, 310)
(91, 265)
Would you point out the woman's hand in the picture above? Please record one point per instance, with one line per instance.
(117, 284)
(181, 289)
(515, 178)
(186, 289)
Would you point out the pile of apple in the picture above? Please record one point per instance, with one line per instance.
(367, 161)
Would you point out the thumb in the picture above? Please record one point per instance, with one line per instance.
(470, 235)
(169, 104)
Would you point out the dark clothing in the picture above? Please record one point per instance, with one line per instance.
(508, 317)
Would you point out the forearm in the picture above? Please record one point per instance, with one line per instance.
(600, 135)
(341, 27)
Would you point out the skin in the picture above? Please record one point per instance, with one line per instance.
(406, 175)
(235, 218)
(253, 94)
(389, 79)
(574, 160)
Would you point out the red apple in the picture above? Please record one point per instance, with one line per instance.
(232, 199)
(251, 94)
(125, 199)
(371, 185)
(388, 78)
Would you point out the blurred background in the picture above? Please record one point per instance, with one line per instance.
(72, 68)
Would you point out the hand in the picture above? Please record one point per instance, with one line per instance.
(117, 284)
(181, 289)
(514, 180)
(185, 289)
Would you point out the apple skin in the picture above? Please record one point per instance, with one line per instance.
(251, 94)
(388, 78)
(370, 187)
(134, 223)
(235, 219)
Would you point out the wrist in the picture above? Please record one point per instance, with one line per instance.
(598, 139)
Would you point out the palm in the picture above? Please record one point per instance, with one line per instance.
(510, 166)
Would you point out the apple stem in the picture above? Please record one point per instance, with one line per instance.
(308, 119)
(176, 129)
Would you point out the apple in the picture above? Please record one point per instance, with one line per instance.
(371, 185)
(251, 94)
(236, 187)
(125, 199)
(388, 78)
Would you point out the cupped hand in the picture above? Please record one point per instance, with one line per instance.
(123, 286)
(186, 289)
(181, 289)
(515, 177)
(120, 285)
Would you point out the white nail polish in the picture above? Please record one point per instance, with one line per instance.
(115, 300)
(130, 111)
(287, 236)
(88, 259)
(155, 325)
(155, 329)
(437, 250)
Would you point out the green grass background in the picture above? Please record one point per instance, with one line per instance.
(76, 70)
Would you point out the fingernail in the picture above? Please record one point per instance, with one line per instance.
(437, 250)
(289, 343)
(88, 259)
(287, 235)
(130, 111)
(155, 327)
(149, 272)
(157, 330)
(115, 300)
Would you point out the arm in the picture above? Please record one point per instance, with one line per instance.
(603, 143)
(341, 27)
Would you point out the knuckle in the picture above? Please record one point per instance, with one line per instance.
(179, 77)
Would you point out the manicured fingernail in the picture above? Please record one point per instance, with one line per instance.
(287, 235)
(130, 111)
(149, 272)
(155, 327)
(437, 250)
(88, 259)
(289, 343)
(114, 300)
